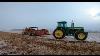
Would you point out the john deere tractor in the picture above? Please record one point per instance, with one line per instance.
(63, 30)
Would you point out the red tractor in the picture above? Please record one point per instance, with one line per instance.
(33, 31)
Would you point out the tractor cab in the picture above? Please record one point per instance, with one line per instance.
(62, 24)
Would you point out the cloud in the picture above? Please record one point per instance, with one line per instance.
(98, 14)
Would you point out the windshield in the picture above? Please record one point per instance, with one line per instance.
(62, 25)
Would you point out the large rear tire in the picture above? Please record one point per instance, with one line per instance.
(81, 35)
(59, 33)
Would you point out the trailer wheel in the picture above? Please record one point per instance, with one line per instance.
(80, 35)
(24, 33)
(59, 33)
(31, 34)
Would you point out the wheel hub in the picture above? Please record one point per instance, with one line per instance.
(81, 36)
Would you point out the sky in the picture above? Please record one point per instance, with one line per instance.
(46, 14)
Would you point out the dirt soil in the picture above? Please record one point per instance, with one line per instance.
(17, 44)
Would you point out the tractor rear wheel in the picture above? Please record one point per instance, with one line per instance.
(59, 33)
(80, 35)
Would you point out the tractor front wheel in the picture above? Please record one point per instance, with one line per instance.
(59, 33)
(80, 35)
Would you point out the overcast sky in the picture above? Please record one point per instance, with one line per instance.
(47, 14)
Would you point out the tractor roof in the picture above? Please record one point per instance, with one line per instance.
(62, 22)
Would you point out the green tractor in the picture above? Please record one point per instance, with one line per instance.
(62, 30)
